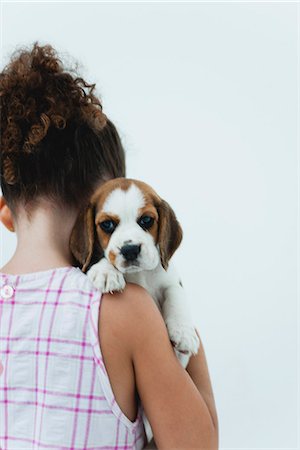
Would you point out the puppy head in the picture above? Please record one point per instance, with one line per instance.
(129, 224)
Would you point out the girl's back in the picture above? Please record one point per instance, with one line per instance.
(54, 388)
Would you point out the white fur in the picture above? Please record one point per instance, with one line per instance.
(126, 205)
(104, 274)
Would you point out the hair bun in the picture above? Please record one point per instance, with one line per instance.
(36, 93)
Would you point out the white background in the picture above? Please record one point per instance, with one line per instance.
(205, 98)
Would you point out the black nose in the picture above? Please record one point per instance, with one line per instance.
(130, 252)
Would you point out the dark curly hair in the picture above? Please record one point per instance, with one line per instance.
(55, 140)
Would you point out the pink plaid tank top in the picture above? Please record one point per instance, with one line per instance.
(54, 389)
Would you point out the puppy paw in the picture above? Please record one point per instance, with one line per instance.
(106, 278)
(183, 336)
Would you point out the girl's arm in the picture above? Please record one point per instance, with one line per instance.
(178, 403)
(198, 371)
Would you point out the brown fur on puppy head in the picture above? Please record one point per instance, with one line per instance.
(82, 239)
(169, 233)
(87, 242)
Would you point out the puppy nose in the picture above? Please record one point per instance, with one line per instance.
(130, 252)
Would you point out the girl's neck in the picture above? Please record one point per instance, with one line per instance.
(42, 242)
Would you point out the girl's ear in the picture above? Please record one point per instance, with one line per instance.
(6, 215)
(169, 232)
(82, 239)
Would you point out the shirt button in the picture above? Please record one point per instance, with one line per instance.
(1, 368)
(7, 291)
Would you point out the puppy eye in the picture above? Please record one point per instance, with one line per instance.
(146, 222)
(108, 226)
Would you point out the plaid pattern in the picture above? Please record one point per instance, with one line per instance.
(54, 389)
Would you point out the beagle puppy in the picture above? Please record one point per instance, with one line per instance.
(129, 234)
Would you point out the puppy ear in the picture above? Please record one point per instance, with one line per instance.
(169, 232)
(82, 237)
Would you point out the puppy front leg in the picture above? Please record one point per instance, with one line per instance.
(178, 321)
(106, 277)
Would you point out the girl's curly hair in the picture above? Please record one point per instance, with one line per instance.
(55, 139)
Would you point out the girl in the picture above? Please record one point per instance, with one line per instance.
(74, 375)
